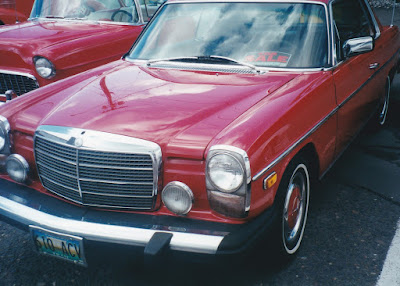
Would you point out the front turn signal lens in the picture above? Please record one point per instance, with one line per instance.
(270, 181)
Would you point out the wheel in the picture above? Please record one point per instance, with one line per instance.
(293, 199)
(385, 105)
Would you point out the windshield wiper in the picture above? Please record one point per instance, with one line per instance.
(206, 59)
(76, 18)
(54, 17)
(183, 59)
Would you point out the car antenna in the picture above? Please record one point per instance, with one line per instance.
(394, 8)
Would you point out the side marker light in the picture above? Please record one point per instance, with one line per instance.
(270, 181)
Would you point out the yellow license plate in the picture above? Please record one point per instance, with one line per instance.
(68, 247)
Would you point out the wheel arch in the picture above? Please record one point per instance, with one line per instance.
(308, 152)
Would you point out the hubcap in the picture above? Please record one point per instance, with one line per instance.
(295, 209)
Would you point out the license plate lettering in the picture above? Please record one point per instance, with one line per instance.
(60, 245)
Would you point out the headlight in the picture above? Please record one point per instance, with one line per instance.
(44, 67)
(4, 135)
(228, 180)
(225, 172)
(17, 168)
(177, 197)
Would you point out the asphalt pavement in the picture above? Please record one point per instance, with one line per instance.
(352, 221)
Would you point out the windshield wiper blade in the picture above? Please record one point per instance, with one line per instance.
(76, 18)
(149, 62)
(205, 59)
(230, 60)
(54, 17)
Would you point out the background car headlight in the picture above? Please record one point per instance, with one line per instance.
(225, 172)
(44, 67)
(177, 197)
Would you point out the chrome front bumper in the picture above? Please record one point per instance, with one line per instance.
(25, 207)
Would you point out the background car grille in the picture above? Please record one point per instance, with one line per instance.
(96, 178)
(18, 83)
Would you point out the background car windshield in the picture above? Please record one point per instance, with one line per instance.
(284, 35)
(97, 10)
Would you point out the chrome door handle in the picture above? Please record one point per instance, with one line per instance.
(373, 66)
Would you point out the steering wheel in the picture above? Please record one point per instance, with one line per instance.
(123, 12)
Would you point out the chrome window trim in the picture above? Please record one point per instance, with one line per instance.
(328, 28)
(113, 143)
(374, 22)
(319, 124)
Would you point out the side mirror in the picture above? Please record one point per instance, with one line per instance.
(358, 46)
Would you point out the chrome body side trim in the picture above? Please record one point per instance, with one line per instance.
(103, 232)
(312, 130)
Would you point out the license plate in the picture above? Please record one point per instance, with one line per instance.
(68, 247)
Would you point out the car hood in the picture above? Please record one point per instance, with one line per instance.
(169, 107)
(48, 38)
(49, 33)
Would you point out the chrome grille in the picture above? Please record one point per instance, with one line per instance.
(96, 178)
(19, 83)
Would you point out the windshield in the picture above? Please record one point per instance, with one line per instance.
(122, 11)
(283, 35)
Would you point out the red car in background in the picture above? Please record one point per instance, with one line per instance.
(205, 138)
(14, 11)
(63, 38)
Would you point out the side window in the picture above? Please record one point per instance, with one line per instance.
(352, 19)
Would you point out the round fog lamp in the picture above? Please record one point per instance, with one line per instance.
(44, 67)
(17, 168)
(177, 197)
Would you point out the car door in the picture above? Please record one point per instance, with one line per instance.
(357, 87)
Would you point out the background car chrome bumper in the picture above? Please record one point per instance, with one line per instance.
(18, 205)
